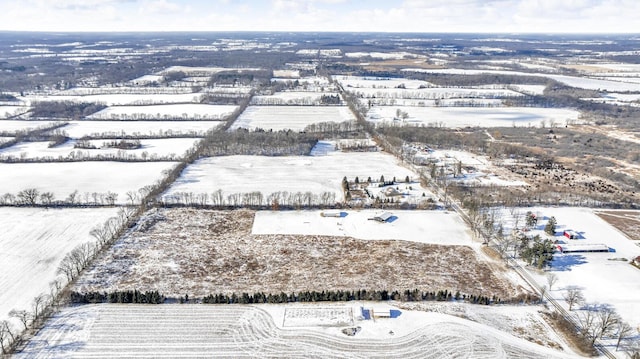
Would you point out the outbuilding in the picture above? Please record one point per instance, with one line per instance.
(382, 217)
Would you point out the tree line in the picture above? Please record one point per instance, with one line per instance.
(415, 295)
(118, 296)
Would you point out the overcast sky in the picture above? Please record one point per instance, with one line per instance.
(505, 16)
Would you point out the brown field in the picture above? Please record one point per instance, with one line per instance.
(199, 252)
(627, 222)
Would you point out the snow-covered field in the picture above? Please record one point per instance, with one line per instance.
(238, 331)
(290, 97)
(315, 174)
(433, 93)
(575, 81)
(86, 177)
(476, 170)
(9, 111)
(380, 82)
(473, 116)
(18, 125)
(396, 55)
(115, 129)
(295, 118)
(437, 227)
(123, 99)
(5, 139)
(171, 111)
(601, 277)
(165, 147)
(201, 71)
(33, 242)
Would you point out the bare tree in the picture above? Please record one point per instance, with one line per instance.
(608, 320)
(28, 196)
(39, 303)
(589, 328)
(46, 198)
(22, 315)
(573, 296)
(7, 338)
(55, 287)
(552, 278)
(624, 331)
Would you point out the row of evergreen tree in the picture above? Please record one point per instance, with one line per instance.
(124, 296)
(344, 296)
(154, 297)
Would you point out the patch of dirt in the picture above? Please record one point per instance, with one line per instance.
(200, 252)
(627, 222)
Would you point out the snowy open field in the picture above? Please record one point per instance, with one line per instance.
(433, 93)
(437, 227)
(291, 97)
(295, 118)
(115, 129)
(243, 331)
(86, 177)
(473, 116)
(202, 70)
(11, 126)
(33, 242)
(477, 170)
(5, 139)
(9, 111)
(315, 174)
(122, 99)
(574, 81)
(602, 279)
(172, 111)
(380, 82)
(162, 148)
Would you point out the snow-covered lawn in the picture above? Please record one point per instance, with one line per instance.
(295, 118)
(473, 116)
(603, 277)
(437, 227)
(123, 99)
(172, 111)
(170, 331)
(33, 242)
(165, 147)
(115, 129)
(315, 174)
(86, 177)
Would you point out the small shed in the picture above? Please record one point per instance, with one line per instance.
(571, 234)
(331, 214)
